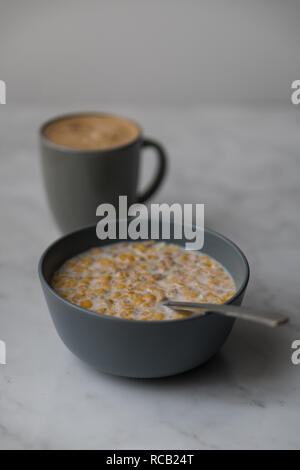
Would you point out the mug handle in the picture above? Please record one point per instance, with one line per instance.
(160, 172)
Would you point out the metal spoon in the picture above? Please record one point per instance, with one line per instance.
(266, 318)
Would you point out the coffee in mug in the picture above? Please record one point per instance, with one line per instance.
(91, 132)
(93, 158)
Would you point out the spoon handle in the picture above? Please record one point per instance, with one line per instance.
(266, 318)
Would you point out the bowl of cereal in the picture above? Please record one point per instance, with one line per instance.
(106, 300)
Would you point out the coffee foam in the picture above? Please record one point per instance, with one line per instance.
(91, 132)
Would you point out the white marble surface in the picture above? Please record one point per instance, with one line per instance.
(244, 164)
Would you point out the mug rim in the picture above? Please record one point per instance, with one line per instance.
(85, 311)
(62, 148)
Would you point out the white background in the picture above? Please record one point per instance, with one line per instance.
(159, 51)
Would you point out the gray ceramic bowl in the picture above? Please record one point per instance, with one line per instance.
(133, 348)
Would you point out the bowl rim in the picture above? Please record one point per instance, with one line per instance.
(104, 317)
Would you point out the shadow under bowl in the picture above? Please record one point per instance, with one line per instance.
(132, 348)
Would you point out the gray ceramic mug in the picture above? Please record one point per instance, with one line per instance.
(77, 181)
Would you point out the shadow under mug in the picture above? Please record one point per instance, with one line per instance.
(77, 181)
